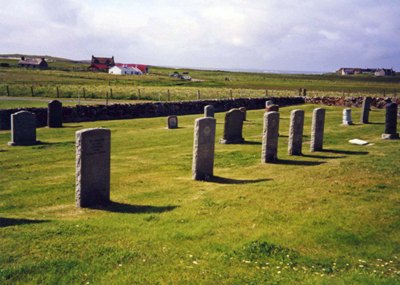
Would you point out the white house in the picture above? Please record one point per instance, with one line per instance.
(119, 70)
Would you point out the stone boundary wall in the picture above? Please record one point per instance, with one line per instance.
(146, 110)
(88, 113)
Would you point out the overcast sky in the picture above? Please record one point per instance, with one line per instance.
(307, 35)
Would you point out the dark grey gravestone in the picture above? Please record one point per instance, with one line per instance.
(93, 167)
(209, 111)
(23, 129)
(269, 151)
(366, 106)
(54, 114)
(296, 132)
(172, 122)
(346, 119)
(244, 111)
(391, 122)
(317, 129)
(203, 148)
(233, 127)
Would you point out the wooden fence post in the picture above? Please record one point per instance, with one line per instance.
(231, 94)
(84, 93)
(32, 91)
(111, 94)
(198, 94)
(58, 92)
(8, 91)
(106, 98)
(169, 95)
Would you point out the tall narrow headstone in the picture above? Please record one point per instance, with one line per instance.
(233, 127)
(391, 122)
(269, 151)
(209, 111)
(244, 111)
(296, 132)
(172, 122)
(23, 129)
(366, 105)
(346, 119)
(93, 167)
(203, 148)
(54, 114)
(317, 129)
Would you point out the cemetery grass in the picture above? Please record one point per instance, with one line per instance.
(329, 217)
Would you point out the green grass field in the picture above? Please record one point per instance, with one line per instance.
(328, 217)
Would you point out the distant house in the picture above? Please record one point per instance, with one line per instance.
(101, 64)
(384, 72)
(35, 63)
(127, 70)
(142, 67)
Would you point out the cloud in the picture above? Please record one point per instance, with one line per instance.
(265, 34)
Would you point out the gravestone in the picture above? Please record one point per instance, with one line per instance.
(269, 151)
(172, 122)
(296, 132)
(92, 167)
(233, 127)
(209, 111)
(366, 105)
(54, 114)
(272, 108)
(244, 111)
(391, 122)
(317, 129)
(268, 103)
(203, 148)
(346, 119)
(23, 129)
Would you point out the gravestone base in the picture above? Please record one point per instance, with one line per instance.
(232, 141)
(24, 144)
(390, 136)
(347, 123)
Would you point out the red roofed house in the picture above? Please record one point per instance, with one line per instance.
(142, 67)
(101, 63)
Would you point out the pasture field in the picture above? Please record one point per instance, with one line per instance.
(73, 80)
(329, 217)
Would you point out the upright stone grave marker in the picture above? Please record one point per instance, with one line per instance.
(209, 111)
(203, 148)
(272, 108)
(23, 129)
(366, 105)
(346, 119)
(317, 129)
(296, 132)
(54, 114)
(269, 151)
(233, 127)
(92, 167)
(268, 103)
(244, 111)
(391, 122)
(172, 122)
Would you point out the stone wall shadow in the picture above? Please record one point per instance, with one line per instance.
(133, 209)
(7, 222)
(223, 180)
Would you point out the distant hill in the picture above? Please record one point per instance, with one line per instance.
(47, 57)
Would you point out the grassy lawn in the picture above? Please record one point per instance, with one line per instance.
(328, 217)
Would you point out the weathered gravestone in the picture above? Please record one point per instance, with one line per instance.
(23, 129)
(366, 106)
(233, 127)
(268, 103)
(54, 114)
(244, 111)
(92, 167)
(346, 119)
(317, 129)
(209, 111)
(391, 122)
(269, 151)
(296, 132)
(203, 148)
(272, 108)
(172, 122)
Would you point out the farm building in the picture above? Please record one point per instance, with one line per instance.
(384, 72)
(374, 71)
(101, 63)
(36, 63)
(125, 70)
(142, 67)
